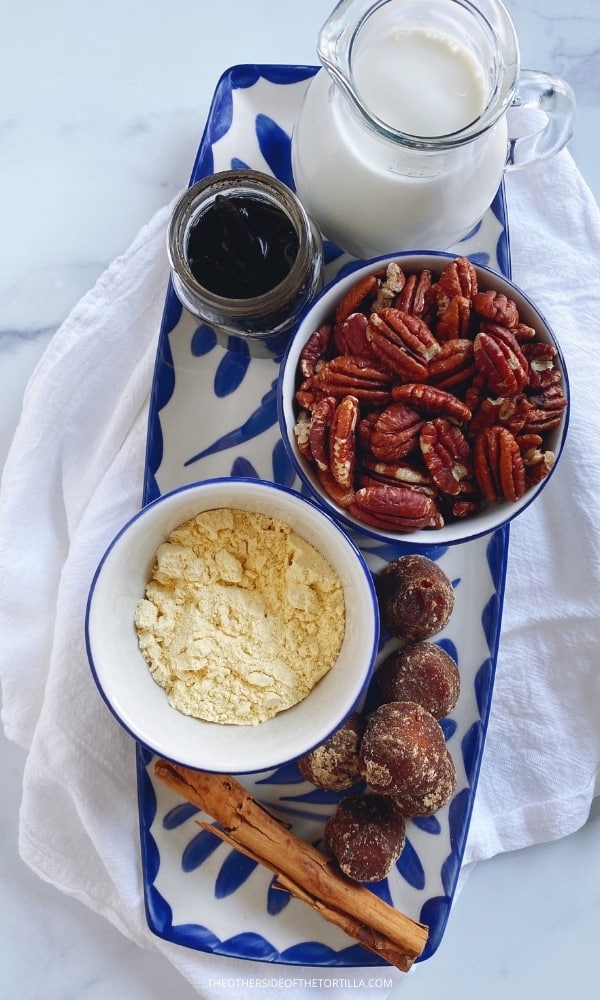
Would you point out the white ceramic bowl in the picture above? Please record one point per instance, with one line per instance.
(492, 515)
(140, 704)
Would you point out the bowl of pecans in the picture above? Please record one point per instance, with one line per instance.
(424, 398)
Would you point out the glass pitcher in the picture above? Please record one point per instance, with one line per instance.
(421, 105)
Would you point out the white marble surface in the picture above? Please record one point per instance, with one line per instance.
(101, 109)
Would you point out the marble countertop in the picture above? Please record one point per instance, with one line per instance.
(101, 110)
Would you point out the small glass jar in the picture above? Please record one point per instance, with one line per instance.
(263, 321)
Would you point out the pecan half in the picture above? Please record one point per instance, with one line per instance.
(510, 412)
(356, 295)
(454, 320)
(315, 349)
(342, 496)
(501, 362)
(395, 508)
(545, 409)
(431, 400)
(395, 433)
(538, 464)
(302, 433)
(342, 441)
(498, 465)
(497, 307)
(350, 336)
(393, 473)
(390, 287)
(524, 333)
(318, 432)
(389, 345)
(453, 365)
(349, 374)
(542, 369)
(447, 454)
(413, 332)
(458, 277)
(414, 296)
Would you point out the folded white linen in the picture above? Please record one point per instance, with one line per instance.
(541, 764)
(74, 475)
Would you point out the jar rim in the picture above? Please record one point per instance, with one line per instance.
(246, 183)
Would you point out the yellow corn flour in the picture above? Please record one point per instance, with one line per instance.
(241, 617)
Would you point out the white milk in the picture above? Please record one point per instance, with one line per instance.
(421, 82)
(372, 196)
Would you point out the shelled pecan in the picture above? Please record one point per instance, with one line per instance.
(422, 400)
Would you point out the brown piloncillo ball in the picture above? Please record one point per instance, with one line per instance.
(421, 672)
(439, 792)
(401, 749)
(365, 835)
(334, 765)
(416, 597)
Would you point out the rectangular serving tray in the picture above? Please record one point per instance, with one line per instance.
(213, 413)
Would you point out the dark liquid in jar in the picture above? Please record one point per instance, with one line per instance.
(241, 247)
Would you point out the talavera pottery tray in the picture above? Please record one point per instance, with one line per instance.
(213, 413)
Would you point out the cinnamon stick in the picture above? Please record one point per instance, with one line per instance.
(301, 869)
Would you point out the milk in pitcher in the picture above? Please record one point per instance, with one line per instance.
(373, 196)
(421, 82)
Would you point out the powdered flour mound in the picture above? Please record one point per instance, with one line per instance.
(241, 617)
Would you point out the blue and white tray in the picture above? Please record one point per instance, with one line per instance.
(213, 413)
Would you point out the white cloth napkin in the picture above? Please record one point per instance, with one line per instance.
(74, 475)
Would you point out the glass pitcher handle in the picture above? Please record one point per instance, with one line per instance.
(541, 118)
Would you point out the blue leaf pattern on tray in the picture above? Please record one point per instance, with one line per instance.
(195, 936)
(410, 867)
(473, 232)
(331, 252)
(283, 75)
(449, 646)
(450, 870)
(458, 809)
(179, 815)
(449, 727)
(147, 805)
(231, 372)
(313, 953)
(173, 311)
(315, 795)
(198, 849)
(482, 684)
(283, 470)
(276, 147)
(470, 747)
(287, 774)
(234, 871)
(164, 820)
(277, 899)
(253, 946)
(257, 423)
(160, 913)
(244, 76)
(219, 122)
(162, 391)
(429, 824)
(151, 859)
(203, 341)
(434, 913)
(244, 469)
